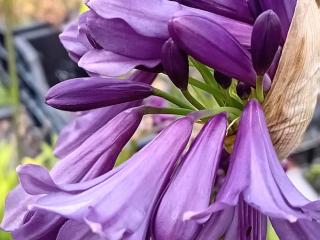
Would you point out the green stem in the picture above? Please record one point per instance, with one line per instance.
(170, 98)
(176, 111)
(14, 81)
(259, 89)
(204, 71)
(192, 100)
(207, 88)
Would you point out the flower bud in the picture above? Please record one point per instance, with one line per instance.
(222, 79)
(175, 64)
(266, 37)
(82, 94)
(243, 90)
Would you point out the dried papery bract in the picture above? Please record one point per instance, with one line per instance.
(291, 102)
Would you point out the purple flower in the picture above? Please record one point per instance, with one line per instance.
(148, 18)
(256, 180)
(121, 47)
(201, 38)
(82, 94)
(190, 188)
(239, 30)
(75, 39)
(83, 126)
(265, 41)
(130, 190)
(80, 165)
(161, 192)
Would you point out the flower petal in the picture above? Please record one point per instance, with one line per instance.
(149, 19)
(115, 35)
(256, 175)
(300, 230)
(190, 188)
(110, 64)
(198, 35)
(75, 133)
(235, 9)
(284, 9)
(73, 230)
(101, 204)
(74, 40)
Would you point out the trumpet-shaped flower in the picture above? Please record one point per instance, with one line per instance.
(80, 165)
(255, 178)
(190, 188)
(103, 202)
(83, 126)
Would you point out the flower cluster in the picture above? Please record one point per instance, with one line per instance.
(167, 190)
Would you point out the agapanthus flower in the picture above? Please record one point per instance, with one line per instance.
(190, 188)
(101, 202)
(257, 183)
(83, 126)
(81, 164)
(174, 187)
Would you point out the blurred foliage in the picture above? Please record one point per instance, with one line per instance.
(83, 8)
(52, 11)
(313, 176)
(8, 176)
(271, 234)
(45, 158)
(127, 152)
(4, 96)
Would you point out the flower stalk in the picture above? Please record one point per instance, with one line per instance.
(172, 99)
(192, 100)
(259, 89)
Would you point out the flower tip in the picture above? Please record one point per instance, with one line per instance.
(95, 227)
(222, 116)
(30, 207)
(199, 217)
(254, 104)
(19, 168)
(292, 219)
(187, 216)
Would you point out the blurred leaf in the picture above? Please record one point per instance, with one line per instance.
(271, 234)
(8, 178)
